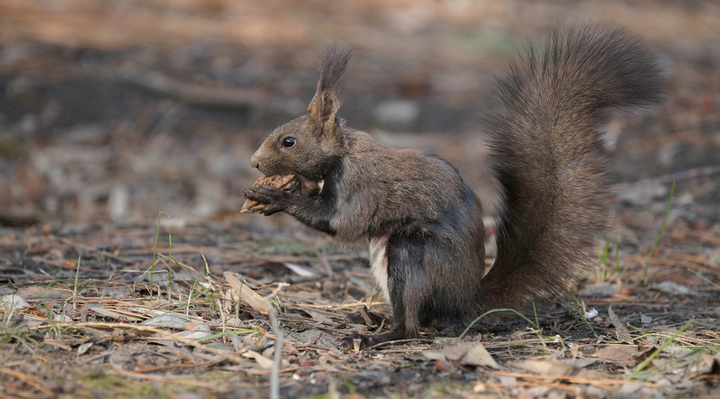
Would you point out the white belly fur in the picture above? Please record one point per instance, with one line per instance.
(378, 264)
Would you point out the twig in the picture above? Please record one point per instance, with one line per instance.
(401, 341)
(97, 251)
(179, 366)
(192, 93)
(669, 178)
(325, 263)
(264, 372)
(27, 379)
(601, 382)
(202, 384)
(277, 354)
(63, 265)
(670, 262)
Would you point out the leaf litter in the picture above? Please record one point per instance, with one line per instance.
(197, 324)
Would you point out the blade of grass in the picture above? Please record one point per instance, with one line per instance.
(617, 255)
(211, 293)
(657, 239)
(660, 349)
(700, 276)
(170, 266)
(226, 333)
(75, 291)
(495, 311)
(152, 265)
(606, 255)
(581, 309)
(190, 297)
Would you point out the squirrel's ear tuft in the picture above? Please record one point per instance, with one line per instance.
(327, 100)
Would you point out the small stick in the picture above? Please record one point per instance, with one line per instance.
(277, 353)
(669, 178)
(27, 379)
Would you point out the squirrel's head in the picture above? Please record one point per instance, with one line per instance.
(311, 145)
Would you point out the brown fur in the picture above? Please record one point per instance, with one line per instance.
(548, 158)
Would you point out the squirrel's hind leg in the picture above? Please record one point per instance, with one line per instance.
(410, 289)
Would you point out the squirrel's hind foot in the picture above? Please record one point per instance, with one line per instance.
(368, 341)
(376, 319)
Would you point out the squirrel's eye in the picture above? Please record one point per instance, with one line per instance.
(288, 142)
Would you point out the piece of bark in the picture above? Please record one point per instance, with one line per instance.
(288, 183)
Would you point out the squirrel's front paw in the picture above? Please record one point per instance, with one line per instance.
(275, 199)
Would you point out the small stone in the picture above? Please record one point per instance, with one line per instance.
(673, 288)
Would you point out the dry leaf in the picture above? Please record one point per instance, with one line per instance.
(252, 298)
(544, 367)
(13, 302)
(82, 349)
(41, 292)
(618, 353)
(479, 356)
(480, 387)
(301, 271)
(468, 353)
(166, 320)
(620, 330)
(644, 355)
(582, 363)
(457, 352)
(444, 365)
(433, 355)
(261, 360)
(708, 370)
(109, 313)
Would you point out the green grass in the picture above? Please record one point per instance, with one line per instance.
(20, 333)
(152, 265)
(659, 350)
(534, 324)
(657, 239)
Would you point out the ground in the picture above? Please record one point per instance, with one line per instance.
(112, 114)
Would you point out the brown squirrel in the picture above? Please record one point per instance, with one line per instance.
(422, 222)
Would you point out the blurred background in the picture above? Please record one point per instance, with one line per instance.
(115, 110)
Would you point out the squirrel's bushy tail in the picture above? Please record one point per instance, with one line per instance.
(550, 158)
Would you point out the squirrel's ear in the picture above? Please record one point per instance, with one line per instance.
(324, 106)
(326, 102)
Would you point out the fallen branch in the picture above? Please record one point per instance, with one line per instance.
(192, 93)
(28, 380)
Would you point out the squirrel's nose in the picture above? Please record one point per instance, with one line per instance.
(254, 162)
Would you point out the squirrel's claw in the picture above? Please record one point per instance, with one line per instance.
(274, 199)
(267, 194)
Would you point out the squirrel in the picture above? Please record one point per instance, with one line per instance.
(421, 221)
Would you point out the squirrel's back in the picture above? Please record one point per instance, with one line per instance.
(549, 155)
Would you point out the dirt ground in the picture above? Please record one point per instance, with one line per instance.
(112, 113)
